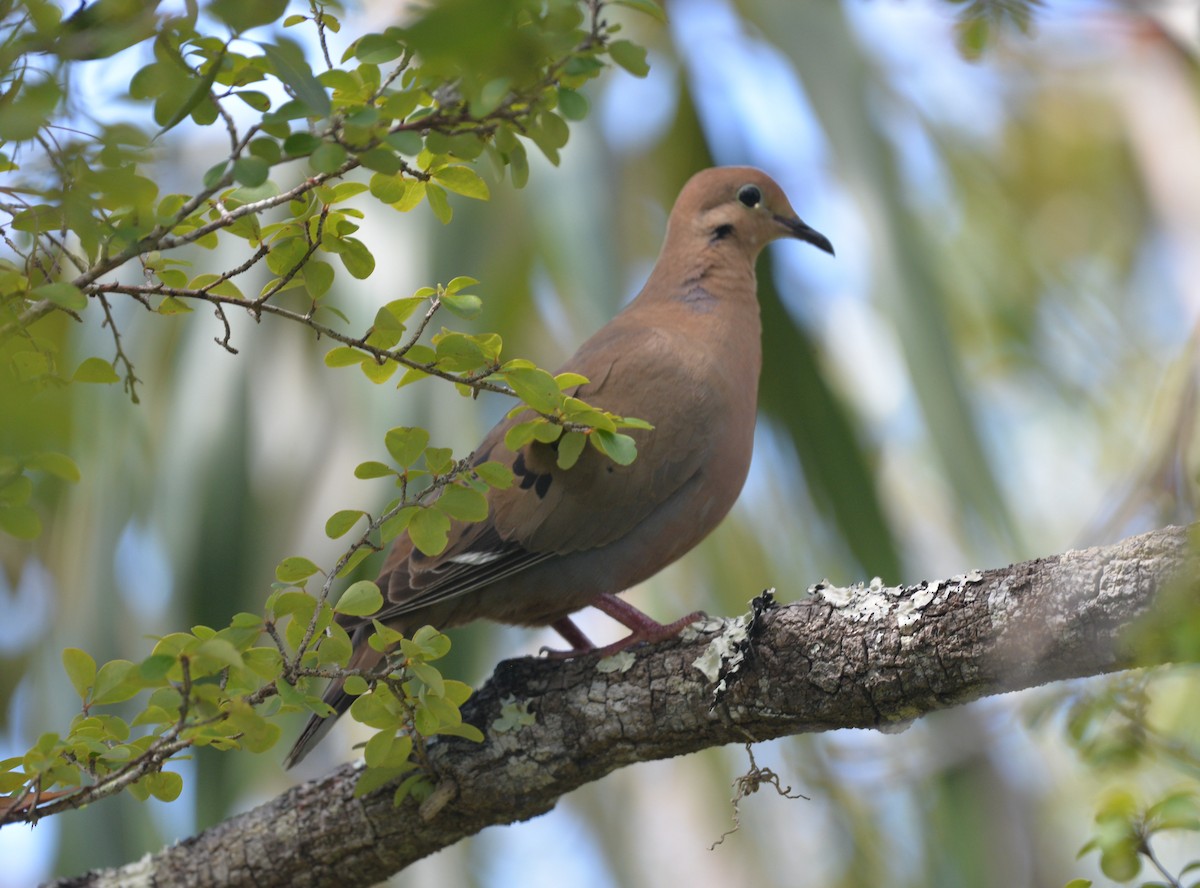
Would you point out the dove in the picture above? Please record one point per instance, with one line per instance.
(684, 355)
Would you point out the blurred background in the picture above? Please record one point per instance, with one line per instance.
(998, 365)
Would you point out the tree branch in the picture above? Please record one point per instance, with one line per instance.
(841, 658)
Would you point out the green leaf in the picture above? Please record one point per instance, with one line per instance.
(373, 469)
(569, 448)
(494, 474)
(54, 463)
(356, 258)
(242, 16)
(327, 157)
(164, 786)
(388, 188)
(318, 277)
(361, 599)
(621, 449)
(344, 356)
(340, 522)
(95, 370)
(406, 444)
(463, 180)
(288, 62)
(629, 56)
(535, 387)
(116, 681)
(81, 670)
(438, 203)
(295, 570)
(251, 171)
(568, 380)
(464, 305)
(439, 460)
(649, 7)
(573, 105)
(375, 49)
(521, 434)
(62, 294)
(463, 503)
(428, 529)
(221, 651)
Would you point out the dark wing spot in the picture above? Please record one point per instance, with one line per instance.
(530, 478)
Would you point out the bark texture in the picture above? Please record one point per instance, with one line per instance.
(843, 657)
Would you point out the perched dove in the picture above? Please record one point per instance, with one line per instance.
(685, 356)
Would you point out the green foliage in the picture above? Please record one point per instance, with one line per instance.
(981, 20)
(1112, 732)
(407, 704)
(403, 116)
(1124, 830)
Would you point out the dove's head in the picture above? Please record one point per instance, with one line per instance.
(741, 206)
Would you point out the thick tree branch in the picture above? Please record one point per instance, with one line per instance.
(840, 658)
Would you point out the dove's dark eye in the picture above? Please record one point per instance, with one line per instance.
(750, 195)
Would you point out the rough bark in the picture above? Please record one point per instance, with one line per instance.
(841, 658)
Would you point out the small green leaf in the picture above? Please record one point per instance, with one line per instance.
(81, 670)
(172, 306)
(573, 105)
(521, 434)
(340, 522)
(464, 305)
(621, 449)
(463, 180)
(494, 474)
(629, 56)
(375, 49)
(356, 258)
(373, 469)
(439, 460)
(438, 203)
(567, 380)
(406, 444)
(361, 599)
(295, 570)
(165, 785)
(62, 294)
(344, 356)
(327, 157)
(116, 681)
(251, 171)
(288, 62)
(569, 448)
(463, 503)
(95, 370)
(318, 277)
(428, 529)
(535, 387)
(649, 7)
(58, 464)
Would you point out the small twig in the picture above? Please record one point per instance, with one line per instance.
(131, 379)
(319, 17)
